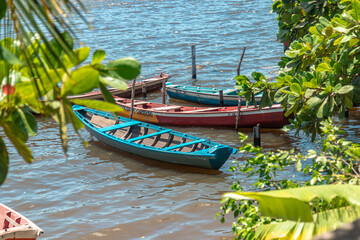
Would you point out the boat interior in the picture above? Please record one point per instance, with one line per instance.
(139, 133)
(171, 108)
(9, 219)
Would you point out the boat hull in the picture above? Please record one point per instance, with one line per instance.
(152, 84)
(213, 157)
(14, 226)
(202, 161)
(222, 117)
(267, 118)
(206, 96)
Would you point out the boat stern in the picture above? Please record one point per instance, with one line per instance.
(222, 153)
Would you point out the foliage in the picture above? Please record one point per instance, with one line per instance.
(318, 78)
(295, 17)
(335, 162)
(293, 208)
(319, 74)
(38, 73)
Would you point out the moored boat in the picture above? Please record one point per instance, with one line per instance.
(152, 141)
(151, 84)
(14, 226)
(157, 113)
(208, 96)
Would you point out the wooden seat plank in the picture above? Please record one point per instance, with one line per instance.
(166, 108)
(117, 126)
(184, 144)
(202, 110)
(149, 135)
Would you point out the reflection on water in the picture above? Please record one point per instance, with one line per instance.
(102, 193)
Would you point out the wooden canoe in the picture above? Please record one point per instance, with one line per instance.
(151, 84)
(156, 113)
(207, 96)
(153, 142)
(13, 225)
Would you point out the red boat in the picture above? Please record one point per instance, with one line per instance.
(13, 225)
(156, 113)
(151, 84)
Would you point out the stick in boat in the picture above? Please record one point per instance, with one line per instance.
(221, 97)
(163, 93)
(143, 90)
(193, 57)
(238, 112)
(132, 98)
(239, 97)
(242, 56)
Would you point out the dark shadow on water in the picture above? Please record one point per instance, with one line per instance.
(150, 162)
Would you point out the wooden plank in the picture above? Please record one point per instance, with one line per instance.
(117, 126)
(202, 110)
(166, 108)
(11, 221)
(149, 135)
(184, 144)
(139, 103)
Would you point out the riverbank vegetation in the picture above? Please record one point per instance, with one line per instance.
(318, 80)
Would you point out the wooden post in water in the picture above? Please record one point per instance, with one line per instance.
(238, 113)
(163, 92)
(221, 97)
(242, 56)
(132, 97)
(257, 139)
(143, 90)
(193, 58)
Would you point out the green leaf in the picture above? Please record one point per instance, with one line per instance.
(257, 76)
(127, 68)
(346, 38)
(81, 81)
(73, 118)
(80, 55)
(99, 105)
(326, 221)
(13, 132)
(3, 8)
(314, 102)
(348, 101)
(355, 11)
(10, 58)
(108, 97)
(114, 82)
(298, 166)
(293, 204)
(98, 56)
(323, 67)
(345, 89)
(29, 121)
(295, 88)
(324, 21)
(280, 95)
(4, 161)
(323, 109)
(241, 78)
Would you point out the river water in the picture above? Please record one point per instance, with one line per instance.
(100, 193)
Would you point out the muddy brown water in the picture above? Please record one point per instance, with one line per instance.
(102, 193)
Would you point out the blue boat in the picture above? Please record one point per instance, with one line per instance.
(208, 96)
(152, 141)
